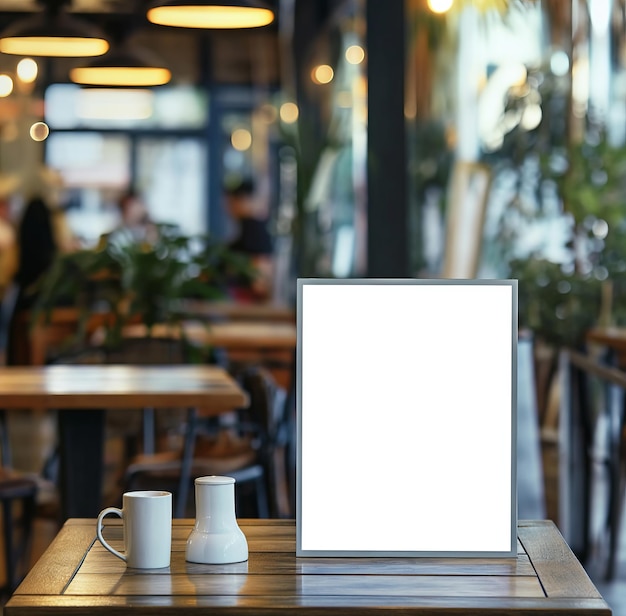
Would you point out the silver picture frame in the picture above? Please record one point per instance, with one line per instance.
(406, 395)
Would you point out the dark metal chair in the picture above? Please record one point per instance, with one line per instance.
(250, 449)
(18, 494)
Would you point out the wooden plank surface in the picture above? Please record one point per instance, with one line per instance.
(275, 549)
(559, 570)
(55, 569)
(274, 581)
(288, 585)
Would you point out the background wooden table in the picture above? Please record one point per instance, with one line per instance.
(234, 325)
(77, 576)
(81, 393)
(248, 311)
(231, 335)
(271, 343)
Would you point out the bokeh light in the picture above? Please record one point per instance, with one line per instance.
(440, 6)
(6, 85)
(323, 73)
(559, 63)
(355, 54)
(289, 113)
(39, 131)
(27, 70)
(241, 139)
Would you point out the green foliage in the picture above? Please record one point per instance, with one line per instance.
(561, 303)
(559, 307)
(593, 190)
(140, 282)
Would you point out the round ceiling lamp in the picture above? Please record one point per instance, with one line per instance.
(225, 14)
(53, 33)
(125, 67)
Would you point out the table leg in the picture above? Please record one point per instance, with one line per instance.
(5, 444)
(581, 479)
(187, 463)
(149, 431)
(615, 403)
(81, 438)
(573, 463)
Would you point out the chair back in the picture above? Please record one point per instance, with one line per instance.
(266, 409)
(147, 351)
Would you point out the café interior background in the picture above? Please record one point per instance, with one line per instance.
(501, 99)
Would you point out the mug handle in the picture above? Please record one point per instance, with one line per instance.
(101, 515)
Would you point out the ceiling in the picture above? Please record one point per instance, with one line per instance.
(78, 6)
(96, 6)
(236, 57)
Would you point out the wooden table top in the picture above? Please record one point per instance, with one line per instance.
(249, 311)
(229, 334)
(612, 336)
(119, 386)
(77, 576)
(219, 309)
(253, 329)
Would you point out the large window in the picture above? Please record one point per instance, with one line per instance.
(69, 106)
(95, 169)
(104, 142)
(171, 173)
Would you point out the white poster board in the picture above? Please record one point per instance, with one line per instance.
(406, 395)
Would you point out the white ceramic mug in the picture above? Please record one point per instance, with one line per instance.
(147, 517)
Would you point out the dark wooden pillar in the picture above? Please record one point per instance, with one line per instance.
(387, 210)
(216, 219)
(308, 26)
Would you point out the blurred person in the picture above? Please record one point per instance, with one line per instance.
(37, 247)
(42, 233)
(8, 259)
(135, 224)
(8, 239)
(37, 250)
(50, 187)
(248, 209)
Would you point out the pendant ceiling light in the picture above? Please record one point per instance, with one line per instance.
(225, 14)
(53, 33)
(124, 66)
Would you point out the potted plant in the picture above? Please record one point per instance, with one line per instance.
(137, 282)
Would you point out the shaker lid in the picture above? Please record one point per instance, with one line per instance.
(215, 480)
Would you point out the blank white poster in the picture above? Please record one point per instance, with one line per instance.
(406, 411)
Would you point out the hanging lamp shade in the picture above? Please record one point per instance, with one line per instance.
(54, 34)
(124, 66)
(225, 14)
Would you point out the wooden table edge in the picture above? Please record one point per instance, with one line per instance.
(145, 604)
(58, 564)
(558, 569)
(541, 540)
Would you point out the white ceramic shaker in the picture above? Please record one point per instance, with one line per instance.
(216, 537)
